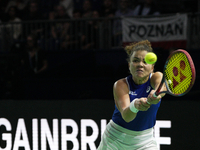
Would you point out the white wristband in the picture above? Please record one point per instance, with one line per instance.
(132, 106)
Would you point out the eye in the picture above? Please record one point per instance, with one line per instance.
(135, 60)
(144, 62)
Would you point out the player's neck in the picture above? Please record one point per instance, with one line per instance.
(140, 80)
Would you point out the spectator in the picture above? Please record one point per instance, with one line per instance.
(59, 28)
(146, 8)
(19, 4)
(47, 6)
(124, 10)
(90, 39)
(14, 23)
(11, 30)
(87, 9)
(69, 6)
(3, 5)
(78, 4)
(33, 14)
(33, 60)
(73, 38)
(108, 9)
(96, 4)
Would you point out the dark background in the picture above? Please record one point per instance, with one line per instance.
(76, 75)
(183, 113)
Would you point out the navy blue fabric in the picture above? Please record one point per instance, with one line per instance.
(144, 119)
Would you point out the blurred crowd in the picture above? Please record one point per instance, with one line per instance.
(25, 31)
(50, 9)
(65, 34)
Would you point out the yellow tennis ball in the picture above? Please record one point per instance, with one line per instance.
(150, 58)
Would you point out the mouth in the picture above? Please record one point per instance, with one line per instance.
(139, 71)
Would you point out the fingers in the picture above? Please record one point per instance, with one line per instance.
(142, 105)
(153, 100)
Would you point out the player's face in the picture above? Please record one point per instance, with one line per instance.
(139, 69)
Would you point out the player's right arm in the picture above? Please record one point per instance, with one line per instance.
(122, 100)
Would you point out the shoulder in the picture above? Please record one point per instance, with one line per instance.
(121, 84)
(120, 88)
(156, 78)
(156, 74)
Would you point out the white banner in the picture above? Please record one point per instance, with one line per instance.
(155, 29)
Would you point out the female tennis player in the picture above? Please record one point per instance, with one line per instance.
(134, 117)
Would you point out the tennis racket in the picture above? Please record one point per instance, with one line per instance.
(178, 74)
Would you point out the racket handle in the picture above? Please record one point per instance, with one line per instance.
(154, 95)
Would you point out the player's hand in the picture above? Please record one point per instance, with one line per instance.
(141, 104)
(153, 100)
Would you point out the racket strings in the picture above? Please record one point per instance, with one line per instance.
(178, 73)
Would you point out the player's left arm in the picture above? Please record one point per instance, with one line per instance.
(155, 82)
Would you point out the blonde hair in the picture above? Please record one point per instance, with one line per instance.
(142, 45)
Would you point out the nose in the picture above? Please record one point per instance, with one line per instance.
(140, 63)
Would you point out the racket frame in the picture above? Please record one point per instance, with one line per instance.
(168, 91)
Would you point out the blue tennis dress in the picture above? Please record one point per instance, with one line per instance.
(144, 119)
